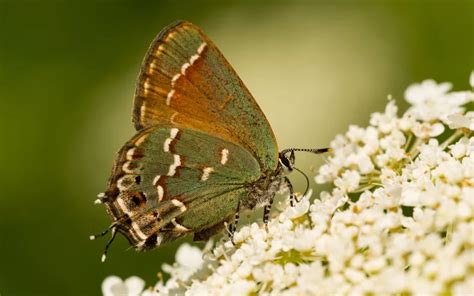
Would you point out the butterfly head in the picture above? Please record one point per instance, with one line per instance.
(287, 160)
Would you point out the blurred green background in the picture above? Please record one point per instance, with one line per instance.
(67, 75)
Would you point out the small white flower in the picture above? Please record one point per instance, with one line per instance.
(299, 209)
(387, 121)
(456, 121)
(460, 148)
(431, 154)
(188, 261)
(371, 141)
(425, 99)
(407, 122)
(114, 286)
(427, 130)
(189, 257)
(355, 134)
(471, 79)
(348, 181)
(428, 89)
(431, 101)
(450, 170)
(362, 161)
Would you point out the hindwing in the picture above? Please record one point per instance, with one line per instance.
(169, 181)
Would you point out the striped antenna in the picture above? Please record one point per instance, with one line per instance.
(315, 151)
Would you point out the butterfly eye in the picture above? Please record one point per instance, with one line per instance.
(287, 160)
(292, 158)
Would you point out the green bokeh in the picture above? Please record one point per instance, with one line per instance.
(67, 72)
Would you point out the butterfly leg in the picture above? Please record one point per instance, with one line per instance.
(266, 211)
(292, 193)
(232, 227)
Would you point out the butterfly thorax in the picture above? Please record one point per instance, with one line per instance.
(264, 189)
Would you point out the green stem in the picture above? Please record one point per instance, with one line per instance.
(413, 153)
(458, 133)
(363, 188)
(449, 232)
(408, 141)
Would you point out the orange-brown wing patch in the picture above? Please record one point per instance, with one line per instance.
(186, 81)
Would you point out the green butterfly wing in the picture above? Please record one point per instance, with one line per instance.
(170, 181)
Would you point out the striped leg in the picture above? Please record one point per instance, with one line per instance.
(266, 211)
(290, 188)
(232, 227)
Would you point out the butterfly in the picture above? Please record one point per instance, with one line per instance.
(203, 151)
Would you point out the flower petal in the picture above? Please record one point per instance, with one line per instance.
(135, 285)
(113, 286)
(471, 79)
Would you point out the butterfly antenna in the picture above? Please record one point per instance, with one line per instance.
(307, 180)
(315, 151)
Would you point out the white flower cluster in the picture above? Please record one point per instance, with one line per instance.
(399, 220)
